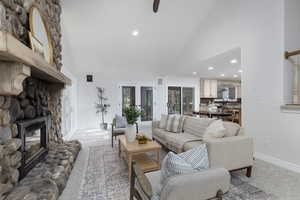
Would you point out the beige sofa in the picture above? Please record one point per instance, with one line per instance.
(232, 152)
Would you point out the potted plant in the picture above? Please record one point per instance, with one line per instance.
(132, 114)
(101, 106)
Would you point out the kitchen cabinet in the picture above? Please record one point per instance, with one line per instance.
(209, 88)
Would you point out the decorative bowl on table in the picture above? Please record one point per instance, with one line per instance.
(142, 139)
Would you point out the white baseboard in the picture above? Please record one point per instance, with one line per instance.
(275, 161)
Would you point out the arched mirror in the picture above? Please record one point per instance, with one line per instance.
(40, 36)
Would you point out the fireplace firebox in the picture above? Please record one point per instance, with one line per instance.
(34, 135)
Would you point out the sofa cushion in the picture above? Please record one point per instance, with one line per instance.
(175, 142)
(197, 157)
(119, 130)
(163, 121)
(190, 145)
(160, 133)
(174, 165)
(232, 129)
(196, 126)
(154, 179)
(215, 130)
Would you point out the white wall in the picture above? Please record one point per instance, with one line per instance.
(69, 105)
(88, 119)
(257, 26)
(70, 95)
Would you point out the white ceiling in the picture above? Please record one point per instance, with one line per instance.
(221, 65)
(97, 35)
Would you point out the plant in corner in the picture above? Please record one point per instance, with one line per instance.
(101, 106)
(132, 114)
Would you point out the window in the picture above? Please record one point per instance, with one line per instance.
(147, 103)
(128, 97)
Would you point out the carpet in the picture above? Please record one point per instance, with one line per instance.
(106, 178)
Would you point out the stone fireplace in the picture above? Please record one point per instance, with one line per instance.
(35, 161)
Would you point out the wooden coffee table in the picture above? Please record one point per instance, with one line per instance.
(138, 153)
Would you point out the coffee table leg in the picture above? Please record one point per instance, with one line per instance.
(129, 165)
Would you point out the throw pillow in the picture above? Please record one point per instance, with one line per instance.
(163, 121)
(169, 123)
(231, 129)
(174, 165)
(181, 122)
(175, 124)
(121, 122)
(215, 130)
(197, 157)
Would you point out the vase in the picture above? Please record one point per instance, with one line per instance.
(130, 133)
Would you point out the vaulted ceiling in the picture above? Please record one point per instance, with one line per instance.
(97, 34)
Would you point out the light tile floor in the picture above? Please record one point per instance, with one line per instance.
(282, 183)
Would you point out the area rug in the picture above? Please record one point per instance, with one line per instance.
(106, 178)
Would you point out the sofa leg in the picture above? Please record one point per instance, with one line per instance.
(219, 195)
(249, 171)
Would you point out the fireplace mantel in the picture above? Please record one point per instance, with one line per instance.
(19, 62)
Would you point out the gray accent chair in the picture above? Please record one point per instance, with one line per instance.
(118, 131)
(210, 184)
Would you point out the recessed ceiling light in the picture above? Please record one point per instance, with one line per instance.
(240, 71)
(194, 73)
(135, 32)
(211, 68)
(222, 75)
(233, 61)
(235, 76)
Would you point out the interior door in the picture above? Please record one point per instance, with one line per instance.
(147, 103)
(128, 97)
(174, 100)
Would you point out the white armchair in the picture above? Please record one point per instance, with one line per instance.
(210, 184)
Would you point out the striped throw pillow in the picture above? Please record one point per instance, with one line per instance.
(197, 157)
(174, 165)
(175, 124)
(170, 123)
(180, 126)
(163, 121)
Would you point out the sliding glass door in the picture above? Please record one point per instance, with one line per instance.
(188, 99)
(181, 100)
(128, 97)
(147, 103)
(174, 100)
